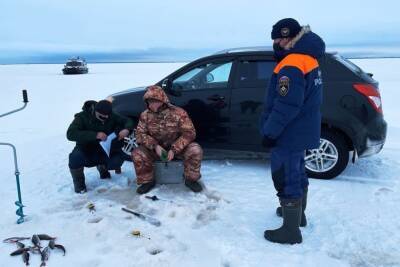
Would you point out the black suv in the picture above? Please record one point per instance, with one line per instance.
(224, 93)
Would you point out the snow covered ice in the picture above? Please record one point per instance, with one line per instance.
(354, 220)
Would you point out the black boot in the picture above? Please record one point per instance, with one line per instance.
(144, 188)
(118, 170)
(193, 185)
(78, 177)
(104, 173)
(303, 222)
(289, 232)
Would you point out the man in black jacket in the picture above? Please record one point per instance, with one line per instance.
(94, 124)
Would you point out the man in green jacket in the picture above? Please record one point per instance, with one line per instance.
(94, 124)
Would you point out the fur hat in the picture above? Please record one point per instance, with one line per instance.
(285, 28)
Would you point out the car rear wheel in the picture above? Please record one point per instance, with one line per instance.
(331, 157)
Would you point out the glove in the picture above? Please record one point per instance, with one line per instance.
(268, 142)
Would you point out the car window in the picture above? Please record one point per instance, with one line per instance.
(188, 75)
(74, 63)
(350, 65)
(210, 75)
(220, 74)
(254, 73)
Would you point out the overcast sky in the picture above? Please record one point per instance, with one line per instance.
(128, 24)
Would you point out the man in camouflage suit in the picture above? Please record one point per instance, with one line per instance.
(165, 128)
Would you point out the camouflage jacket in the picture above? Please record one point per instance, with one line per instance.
(169, 127)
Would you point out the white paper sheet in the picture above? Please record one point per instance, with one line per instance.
(106, 145)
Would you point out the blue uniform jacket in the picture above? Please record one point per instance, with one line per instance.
(292, 113)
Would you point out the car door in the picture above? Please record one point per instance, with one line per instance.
(250, 84)
(204, 92)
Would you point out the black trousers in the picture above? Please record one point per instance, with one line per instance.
(79, 158)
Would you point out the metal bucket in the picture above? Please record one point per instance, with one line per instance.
(168, 172)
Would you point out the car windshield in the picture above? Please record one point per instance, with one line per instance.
(74, 63)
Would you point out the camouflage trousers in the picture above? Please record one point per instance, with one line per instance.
(143, 159)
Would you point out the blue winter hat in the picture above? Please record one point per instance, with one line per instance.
(285, 28)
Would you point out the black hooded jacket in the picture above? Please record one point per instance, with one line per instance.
(85, 126)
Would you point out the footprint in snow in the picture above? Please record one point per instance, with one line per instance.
(101, 190)
(154, 250)
(205, 216)
(383, 191)
(95, 220)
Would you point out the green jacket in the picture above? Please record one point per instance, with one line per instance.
(85, 126)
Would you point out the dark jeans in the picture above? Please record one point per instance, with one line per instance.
(288, 173)
(79, 158)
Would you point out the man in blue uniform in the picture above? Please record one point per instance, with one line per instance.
(291, 121)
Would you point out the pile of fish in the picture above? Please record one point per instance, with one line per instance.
(37, 247)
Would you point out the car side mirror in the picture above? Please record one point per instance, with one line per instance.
(166, 84)
(167, 87)
(209, 78)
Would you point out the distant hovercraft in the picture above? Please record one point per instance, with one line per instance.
(75, 66)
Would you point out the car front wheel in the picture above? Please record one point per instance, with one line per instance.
(331, 157)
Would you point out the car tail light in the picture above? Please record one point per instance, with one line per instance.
(372, 94)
